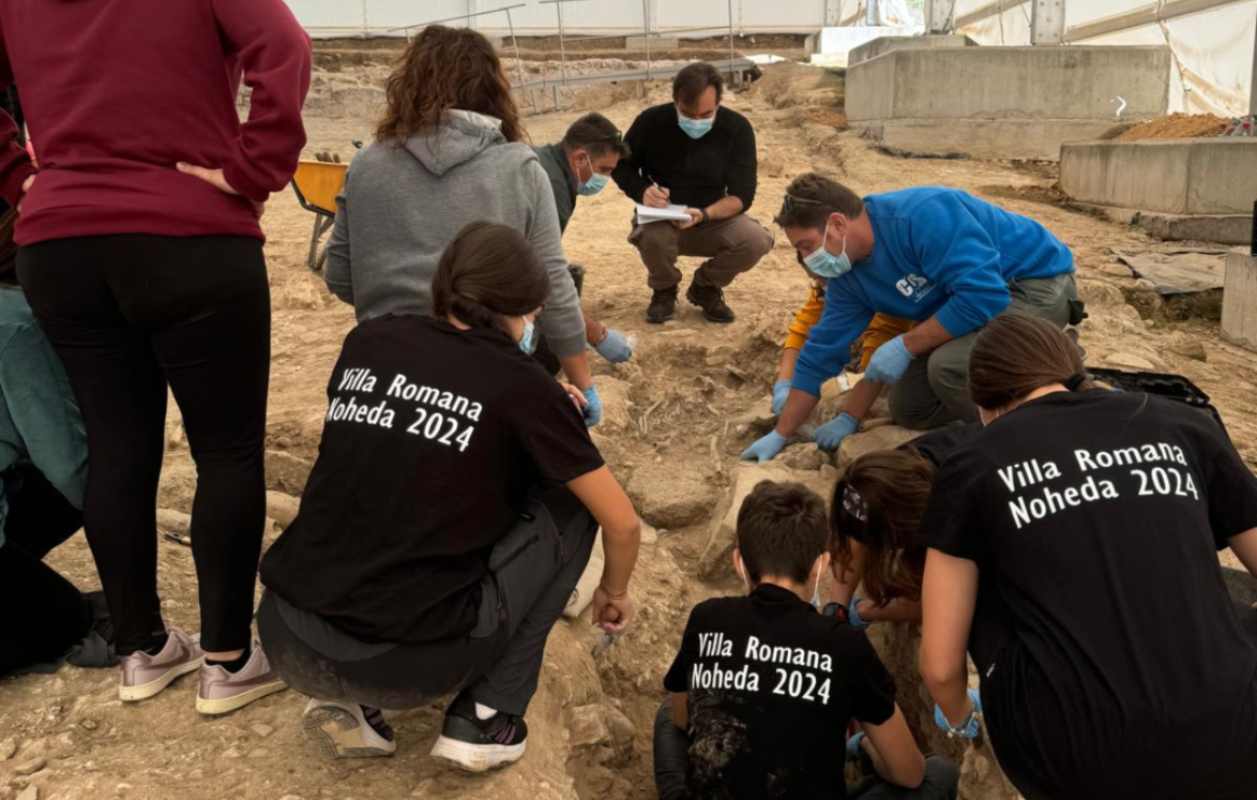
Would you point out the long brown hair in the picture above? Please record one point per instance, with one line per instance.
(488, 272)
(879, 503)
(1016, 354)
(443, 69)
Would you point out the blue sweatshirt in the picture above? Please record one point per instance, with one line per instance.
(936, 251)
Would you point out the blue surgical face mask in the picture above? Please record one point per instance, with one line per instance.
(596, 183)
(826, 264)
(528, 342)
(695, 128)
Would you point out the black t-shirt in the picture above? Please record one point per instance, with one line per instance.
(432, 441)
(697, 172)
(1112, 659)
(772, 686)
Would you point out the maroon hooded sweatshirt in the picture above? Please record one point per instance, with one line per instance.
(116, 92)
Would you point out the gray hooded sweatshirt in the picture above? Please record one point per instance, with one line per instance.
(402, 204)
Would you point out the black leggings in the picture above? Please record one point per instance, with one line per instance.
(127, 314)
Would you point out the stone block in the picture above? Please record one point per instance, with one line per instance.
(1003, 102)
(1201, 176)
(883, 437)
(721, 535)
(885, 44)
(1239, 301)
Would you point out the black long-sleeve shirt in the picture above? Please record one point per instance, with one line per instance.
(697, 172)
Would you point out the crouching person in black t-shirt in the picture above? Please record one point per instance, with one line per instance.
(764, 687)
(1072, 551)
(447, 520)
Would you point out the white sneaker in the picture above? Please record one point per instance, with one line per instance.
(347, 730)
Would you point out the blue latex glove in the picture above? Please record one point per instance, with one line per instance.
(831, 434)
(972, 728)
(853, 745)
(615, 347)
(889, 362)
(765, 448)
(853, 614)
(593, 411)
(781, 391)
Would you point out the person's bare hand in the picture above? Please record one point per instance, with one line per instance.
(576, 395)
(26, 187)
(215, 178)
(612, 613)
(655, 197)
(696, 217)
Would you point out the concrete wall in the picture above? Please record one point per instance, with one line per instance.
(1177, 176)
(1004, 102)
(885, 44)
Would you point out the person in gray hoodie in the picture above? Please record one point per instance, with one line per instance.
(449, 151)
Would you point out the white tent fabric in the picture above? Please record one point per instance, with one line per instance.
(1213, 50)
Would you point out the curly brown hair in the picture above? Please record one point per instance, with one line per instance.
(879, 503)
(443, 69)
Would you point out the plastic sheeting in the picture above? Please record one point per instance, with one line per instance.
(1213, 50)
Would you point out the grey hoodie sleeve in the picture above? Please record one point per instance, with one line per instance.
(337, 271)
(561, 321)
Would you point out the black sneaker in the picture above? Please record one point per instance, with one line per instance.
(663, 305)
(712, 301)
(478, 745)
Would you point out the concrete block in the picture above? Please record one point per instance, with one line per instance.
(885, 44)
(1003, 102)
(1173, 176)
(656, 43)
(1239, 301)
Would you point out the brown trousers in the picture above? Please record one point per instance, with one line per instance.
(731, 246)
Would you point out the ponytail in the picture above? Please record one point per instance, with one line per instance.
(1016, 354)
(488, 272)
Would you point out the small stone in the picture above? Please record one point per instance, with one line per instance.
(89, 724)
(588, 726)
(1193, 350)
(8, 748)
(262, 729)
(292, 797)
(30, 767)
(1130, 361)
(282, 508)
(424, 789)
(621, 727)
(231, 752)
(259, 752)
(650, 534)
(171, 521)
(29, 793)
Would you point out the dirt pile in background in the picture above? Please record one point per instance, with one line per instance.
(1175, 126)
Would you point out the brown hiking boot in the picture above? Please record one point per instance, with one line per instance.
(663, 305)
(712, 301)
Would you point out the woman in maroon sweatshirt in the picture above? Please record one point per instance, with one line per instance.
(141, 255)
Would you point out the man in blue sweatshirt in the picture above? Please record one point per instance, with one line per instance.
(940, 256)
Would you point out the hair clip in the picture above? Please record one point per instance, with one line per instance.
(854, 504)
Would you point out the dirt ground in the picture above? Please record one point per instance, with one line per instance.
(672, 436)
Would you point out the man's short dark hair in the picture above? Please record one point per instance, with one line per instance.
(597, 134)
(811, 198)
(782, 530)
(692, 81)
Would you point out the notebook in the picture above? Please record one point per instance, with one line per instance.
(646, 214)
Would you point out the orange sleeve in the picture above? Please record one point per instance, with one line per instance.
(808, 315)
(881, 330)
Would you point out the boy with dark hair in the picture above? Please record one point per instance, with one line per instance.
(766, 687)
(580, 165)
(698, 154)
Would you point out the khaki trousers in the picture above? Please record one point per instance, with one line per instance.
(731, 246)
